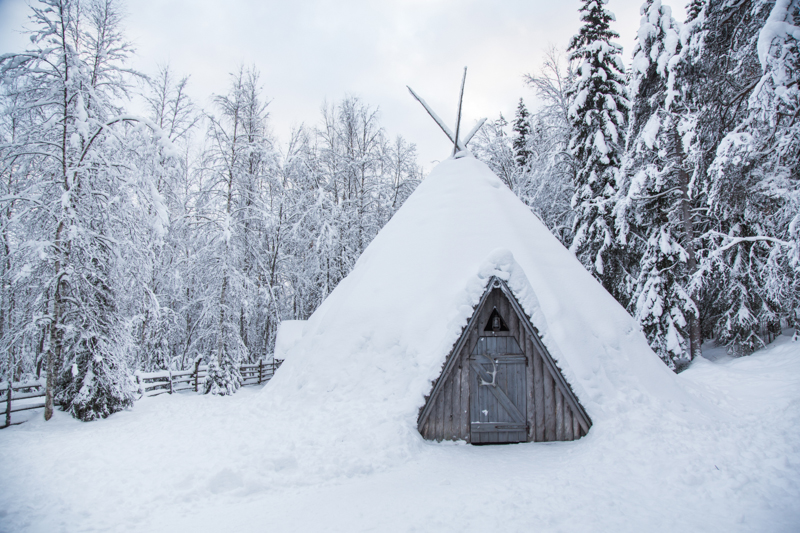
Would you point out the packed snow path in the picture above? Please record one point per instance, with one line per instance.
(200, 463)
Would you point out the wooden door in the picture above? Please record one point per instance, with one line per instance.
(498, 391)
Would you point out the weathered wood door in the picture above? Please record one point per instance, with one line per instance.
(498, 391)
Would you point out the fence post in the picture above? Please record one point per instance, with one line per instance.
(8, 404)
(196, 373)
(170, 379)
(260, 370)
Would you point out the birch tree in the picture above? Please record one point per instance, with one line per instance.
(74, 208)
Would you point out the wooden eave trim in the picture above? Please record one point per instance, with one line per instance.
(559, 379)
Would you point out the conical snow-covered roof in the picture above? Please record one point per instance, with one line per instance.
(370, 352)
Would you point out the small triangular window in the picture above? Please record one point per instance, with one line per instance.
(496, 322)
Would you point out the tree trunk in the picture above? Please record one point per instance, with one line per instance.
(695, 332)
(55, 348)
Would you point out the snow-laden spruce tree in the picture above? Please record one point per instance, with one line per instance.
(654, 215)
(754, 185)
(693, 9)
(95, 380)
(522, 133)
(76, 210)
(597, 112)
(742, 281)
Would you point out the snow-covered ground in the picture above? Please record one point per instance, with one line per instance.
(198, 463)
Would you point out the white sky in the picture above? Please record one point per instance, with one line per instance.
(310, 51)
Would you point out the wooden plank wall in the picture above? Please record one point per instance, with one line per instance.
(449, 417)
(550, 414)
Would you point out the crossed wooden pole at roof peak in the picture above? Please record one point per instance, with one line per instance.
(458, 144)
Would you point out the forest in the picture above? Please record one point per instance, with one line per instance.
(142, 241)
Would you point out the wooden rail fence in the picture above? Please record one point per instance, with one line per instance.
(18, 396)
(167, 381)
(21, 400)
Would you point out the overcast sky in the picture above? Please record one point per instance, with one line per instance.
(310, 51)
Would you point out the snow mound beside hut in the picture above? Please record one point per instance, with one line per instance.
(290, 332)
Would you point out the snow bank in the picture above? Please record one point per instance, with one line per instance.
(189, 462)
(289, 333)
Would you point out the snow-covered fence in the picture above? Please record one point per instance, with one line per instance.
(258, 373)
(155, 383)
(19, 396)
(168, 381)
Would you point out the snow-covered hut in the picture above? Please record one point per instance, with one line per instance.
(399, 339)
(466, 319)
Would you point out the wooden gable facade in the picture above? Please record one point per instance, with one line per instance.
(499, 384)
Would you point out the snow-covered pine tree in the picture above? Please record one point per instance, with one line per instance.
(522, 132)
(95, 380)
(693, 9)
(774, 107)
(717, 73)
(651, 213)
(754, 183)
(597, 114)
